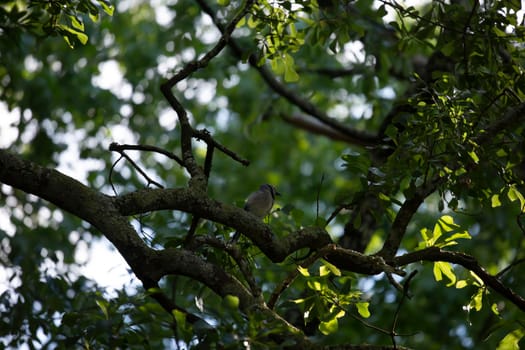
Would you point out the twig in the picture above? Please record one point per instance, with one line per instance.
(118, 148)
(237, 255)
(205, 136)
(187, 132)
(167, 304)
(317, 200)
(274, 297)
(405, 295)
(135, 165)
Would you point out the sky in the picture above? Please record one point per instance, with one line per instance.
(102, 263)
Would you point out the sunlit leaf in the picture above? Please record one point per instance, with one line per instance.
(76, 23)
(303, 271)
(461, 284)
(332, 268)
(513, 194)
(495, 202)
(511, 340)
(329, 327)
(362, 308)
(444, 268)
(476, 302)
(107, 7)
(459, 235)
(474, 157)
(315, 285)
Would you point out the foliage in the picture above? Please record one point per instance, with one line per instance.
(395, 134)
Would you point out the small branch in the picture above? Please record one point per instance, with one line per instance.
(113, 147)
(208, 161)
(351, 260)
(237, 255)
(406, 294)
(318, 199)
(313, 125)
(336, 212)
(274, 297)
(118, 148)
(187, 131)
(191, 232)
(156, 293)
(205, 136)
(335, 72)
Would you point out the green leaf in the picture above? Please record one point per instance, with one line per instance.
(494, 308)
(474, 156)
(76, 23)
(362, 308)
(331, 268)
(511, 340)
(356, 162)
(315, 285)
(513, 194)
(103, 305)
(303, 271)
(444, 268)
(277, 65)
(107, 7)
(290, 75)
(461, 284)
(329, 327)
(476, 302)
(459, 235)
(425, 234)
(323, 271)
(495, 202)
(83, 38)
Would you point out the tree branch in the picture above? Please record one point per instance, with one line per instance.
(80, 200)
(468, 262)
(149, 265)
(404, 215)
(362, 138)
(187, 131)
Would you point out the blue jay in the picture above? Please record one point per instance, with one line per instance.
(259, 203)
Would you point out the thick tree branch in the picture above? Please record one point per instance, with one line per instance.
(109, 215)
(403, 218)
(276, 249)
(80, 200)
(148, 265)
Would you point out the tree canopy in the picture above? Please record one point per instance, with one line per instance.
(395, 134)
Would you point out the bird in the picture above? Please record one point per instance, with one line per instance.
(259, 203)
